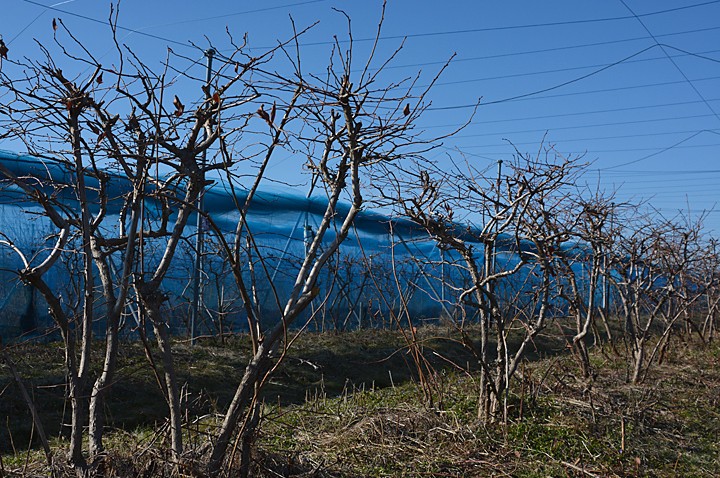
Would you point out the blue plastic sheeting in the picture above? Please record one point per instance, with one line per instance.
(279, 222)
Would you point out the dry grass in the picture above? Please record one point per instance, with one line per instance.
(335, 411)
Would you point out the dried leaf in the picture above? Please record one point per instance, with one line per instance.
(179, 107)
(216, 97)
(3, 49)
(133, 124)
(273, 110)
(99, 79)
(54, 24)
(263, 114)
(406, 110)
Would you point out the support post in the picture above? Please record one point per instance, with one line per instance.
(493, 246)
(199, 238)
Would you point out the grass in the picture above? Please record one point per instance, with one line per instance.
(347, 405)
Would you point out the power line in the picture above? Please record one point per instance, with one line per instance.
(105, 22)
(235, 14)
(579, 113)
(158, 37)
(599, 138)
(524, 26)
(616, 123)
(619, 88)
(582, 113)
(667, 184)
(662, 173)
(669, 57)
(663, 150)
(9, 42)
(558, 70)
(657, 151)
(547, 50)
(620, 150)
(550, 88)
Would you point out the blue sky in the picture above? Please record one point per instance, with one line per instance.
(598, 83)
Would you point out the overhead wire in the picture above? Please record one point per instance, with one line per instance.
(583, 113)
(552, 49)
(535, 94)
(621, 150)
(662, 150)
(105, 22)
(386, 37)
(522, 26)
(558, 70)
(550, 88)
(9, 42)
(669, 57)
(159, 37)
(598, 138)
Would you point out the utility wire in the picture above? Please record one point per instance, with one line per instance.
(158, 37)
(663, 150)
(608, 110)
(547, 50)
(524, 26)
(595, 138)
(657, 150)
(618, 88)
(105, 22)
(34, 20)
(550, 88)
(235, 14)
(389, 37)
(561, 70)
(669, 57)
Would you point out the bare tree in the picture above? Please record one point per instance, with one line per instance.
(82, 127)
(515, 211)
(344, 124)
(587, 224)
(654, 266)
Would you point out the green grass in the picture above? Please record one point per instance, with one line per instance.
(334, 410)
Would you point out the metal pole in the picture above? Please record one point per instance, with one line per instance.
(606, 283)
(195, 312)
(493, 245)
(442, 275)
(497, 208)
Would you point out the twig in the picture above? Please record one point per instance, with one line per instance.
(580, 469)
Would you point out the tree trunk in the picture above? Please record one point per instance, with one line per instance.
(639, 358)
(243, 394)
(160, 327)
(97, 395)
